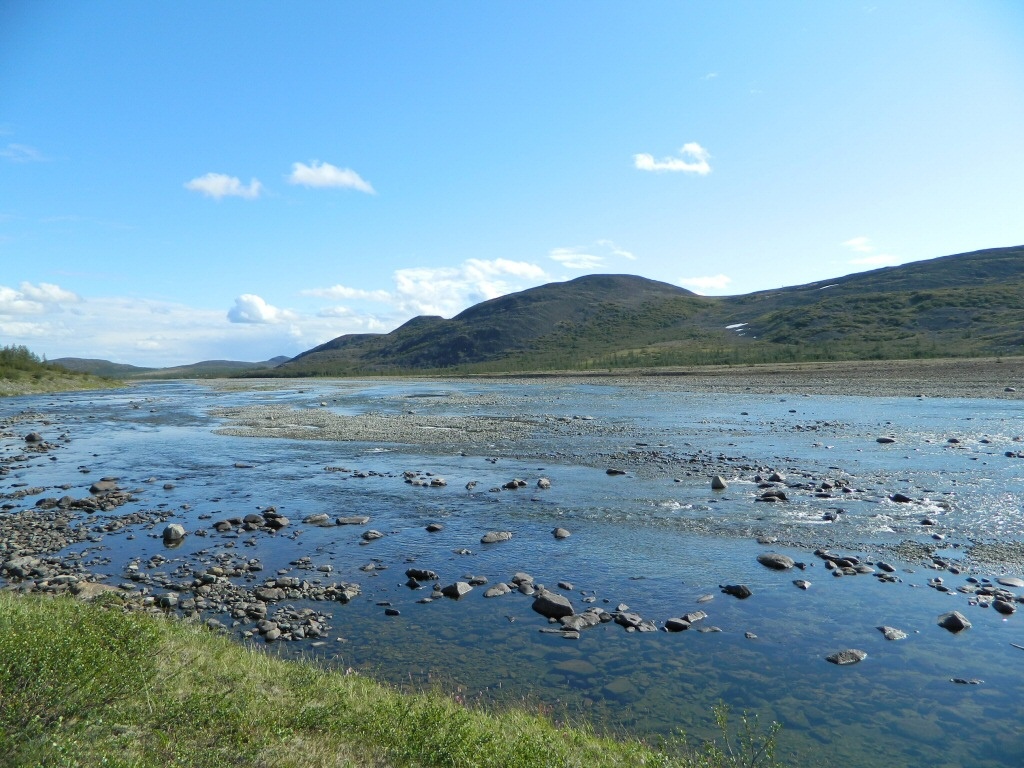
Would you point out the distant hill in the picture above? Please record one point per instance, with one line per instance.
(204, 369)
(962, 305)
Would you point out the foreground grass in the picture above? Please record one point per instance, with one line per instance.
(86, 685)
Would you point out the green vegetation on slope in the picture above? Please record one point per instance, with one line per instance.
(23, 372)
(86, 684)
(968, 305)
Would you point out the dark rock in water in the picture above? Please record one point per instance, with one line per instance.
(353, 520)
(1004, 607)
(392, 612)
(885, 567)
(886, 440)
(849, 656)
(954, 621)
(421, 574)
(693, 617)
(321, 519)
(629, 619)
(773, 494)
(102, 486)
(561, 533)
(552, 605)
(775, 561)
(456, 590)
(1010, 581)
(173, 533)
(964, 681)
(718, 483)
(498, 590)
(33, 437)
(544, 484)
(900, 498)
(372, 535)
(776, 477)
(891, 633)
(614, 471)
(802, 583)
(435, 527)
(676, 625)
(742, 591)
(493, 537)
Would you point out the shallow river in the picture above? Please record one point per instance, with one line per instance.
(656, 538)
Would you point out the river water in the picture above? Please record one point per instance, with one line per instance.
(656, 538)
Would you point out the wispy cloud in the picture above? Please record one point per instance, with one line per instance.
(591, 256)
(692, 158)
(706, 284)
(250, 308)
(343, 292)
(318, 174)
(871, 257)
(220, 185)
(859, 244)
(22, 153)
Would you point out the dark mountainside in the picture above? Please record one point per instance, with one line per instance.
(965, 305)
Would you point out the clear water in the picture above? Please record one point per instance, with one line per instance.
(656, 539)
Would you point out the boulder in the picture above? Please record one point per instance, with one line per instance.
(775, 561)
(352, 520)
(421, 574)
(456, 590)
(552, 605)
(891, 633)
(173, 533)
(544, 484)
(561, 533)
(849, 656)
(493, 537)
(742, 591)
(718, 483)
(954, 621)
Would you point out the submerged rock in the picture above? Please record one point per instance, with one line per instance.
(849, 656)
(742, 591)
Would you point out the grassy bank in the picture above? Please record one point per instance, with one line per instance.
(22, 372)
(86, 685)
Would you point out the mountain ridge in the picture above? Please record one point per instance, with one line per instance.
(969, 304)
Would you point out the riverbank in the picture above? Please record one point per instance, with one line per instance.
(54, 381)
(87, 685)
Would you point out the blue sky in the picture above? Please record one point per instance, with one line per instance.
(194, 180)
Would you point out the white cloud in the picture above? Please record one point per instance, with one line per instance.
(876, 260)
(319, 174)
(693, 158)
(34, 299)
(589, 257)
(250, 308)
(22, 153)
(447, 291)
(706, 284)
(859, 244)
(48, 293)
(220, 185)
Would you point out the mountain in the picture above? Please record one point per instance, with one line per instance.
(968, 304)
(204, 369)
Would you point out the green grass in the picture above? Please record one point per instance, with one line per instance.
(88, 685)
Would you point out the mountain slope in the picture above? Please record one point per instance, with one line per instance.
(962, 305)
